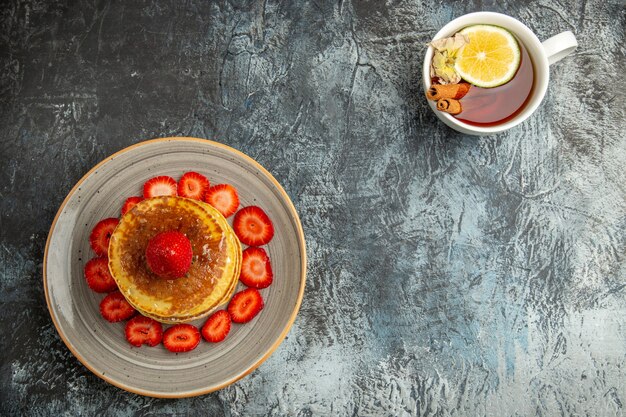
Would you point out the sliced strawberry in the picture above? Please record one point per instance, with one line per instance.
(216, 327)
(159, 186)
(245, 305)
(101, 235)
(98, 276)
(252, 226)
(224, 198)
(114, 308)
(181, 338)
(256, 270)
(130, 203)
(141, 330)
(193, 185)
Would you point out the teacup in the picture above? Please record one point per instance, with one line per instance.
(542, 54)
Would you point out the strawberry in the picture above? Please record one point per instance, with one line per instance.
(142, 330)
(252, 226)
(169, 254)
(193, 185)
(181, 338)
(224, 198)
(158, 186)
(130, 203)
(98, 276)
(114, 308)
(101, 235)
(216, 327)
(245, 305)
(256, 270)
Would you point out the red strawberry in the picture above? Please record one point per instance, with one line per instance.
(98, 276)
(224, 198)
(130, 203)
(252, 226)
(169, 254)
(114, 308)
(101, 235)
(245, 305)
(181, 338)
(216, 327)
(142, 330)
(193, 185)
(158, 186)
(256, 270)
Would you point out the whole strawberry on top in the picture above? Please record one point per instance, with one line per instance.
(169, 254)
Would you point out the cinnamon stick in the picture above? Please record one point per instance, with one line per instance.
(454, 91)
(449, 105)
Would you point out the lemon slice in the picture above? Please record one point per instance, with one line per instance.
(491, 57)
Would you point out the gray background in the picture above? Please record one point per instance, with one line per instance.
(448, 274)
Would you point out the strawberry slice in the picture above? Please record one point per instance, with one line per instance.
(193, 185)
(130, 203)
(224, 198)
(216, 327)
(114, 308)
(141, 330)
(158, 186)
(252, 226)
(256, 270)
(98, 276)
(245, 305)
(181, 338)
(101, 235)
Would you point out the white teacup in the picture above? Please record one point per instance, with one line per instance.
(542, 54)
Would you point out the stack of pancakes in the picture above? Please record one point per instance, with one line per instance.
(215, 267)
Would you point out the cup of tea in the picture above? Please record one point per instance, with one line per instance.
(464, 96)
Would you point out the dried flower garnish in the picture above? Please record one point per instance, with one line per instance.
(446, 51)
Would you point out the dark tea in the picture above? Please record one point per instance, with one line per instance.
(493, 106)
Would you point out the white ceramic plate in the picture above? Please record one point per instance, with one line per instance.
(101, 346)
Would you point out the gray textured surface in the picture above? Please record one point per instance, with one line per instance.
(448, 275)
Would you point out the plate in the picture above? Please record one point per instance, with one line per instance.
(101, 346)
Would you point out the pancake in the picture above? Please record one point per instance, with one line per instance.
(214, 272)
